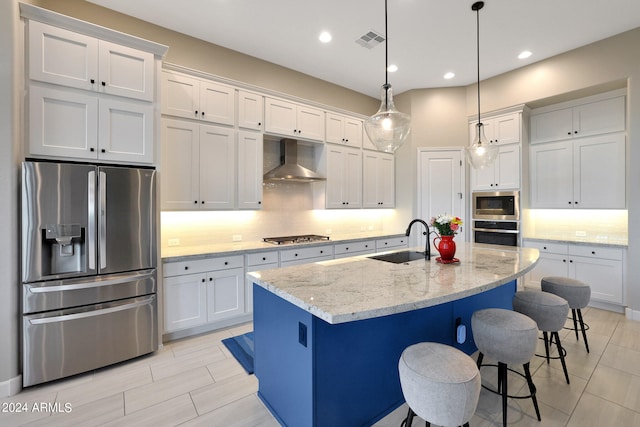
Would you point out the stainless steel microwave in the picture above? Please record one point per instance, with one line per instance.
(496, 205)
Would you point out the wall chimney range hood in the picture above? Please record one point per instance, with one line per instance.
(289, 169)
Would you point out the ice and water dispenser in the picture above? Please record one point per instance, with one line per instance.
(63, 249)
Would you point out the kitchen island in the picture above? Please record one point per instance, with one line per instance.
(328, 336)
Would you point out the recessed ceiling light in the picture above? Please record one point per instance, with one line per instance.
(392, 68)
(524, 54)
(325, 37)
(449, 75)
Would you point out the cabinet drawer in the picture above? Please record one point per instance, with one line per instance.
(202, 265)
(548, 247)
(304, 253)
(596, 252)
(347, 248)
(262, 258)
(393, 242)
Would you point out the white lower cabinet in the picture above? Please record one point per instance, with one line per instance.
(345, 250)
(600, 267)
(392, 243)
(203, 291)
(257, 262)
(305, 255)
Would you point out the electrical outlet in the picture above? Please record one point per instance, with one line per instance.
(237, 237)
(581, 234)
(174, 242)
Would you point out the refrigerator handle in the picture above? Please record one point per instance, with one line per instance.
(91, 221)
(102, 222)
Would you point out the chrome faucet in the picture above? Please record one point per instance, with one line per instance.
(427, 249)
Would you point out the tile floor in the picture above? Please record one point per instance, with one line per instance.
(196, 382)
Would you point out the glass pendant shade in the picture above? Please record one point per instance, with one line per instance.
(481, 153)
(388, 128)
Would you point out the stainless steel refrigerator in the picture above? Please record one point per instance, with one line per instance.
(88, 267)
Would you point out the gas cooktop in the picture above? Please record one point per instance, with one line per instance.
(305, 238)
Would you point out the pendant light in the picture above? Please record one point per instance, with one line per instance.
(388, 128)
(481, 153)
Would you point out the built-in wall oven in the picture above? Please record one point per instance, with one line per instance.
(496, 217)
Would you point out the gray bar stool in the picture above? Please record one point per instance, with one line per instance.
(577, 294)
(440, 383)
(550, 313)
(509, 338)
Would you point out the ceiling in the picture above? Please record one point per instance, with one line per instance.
(427, 38)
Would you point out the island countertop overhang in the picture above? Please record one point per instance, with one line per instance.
(358, 288)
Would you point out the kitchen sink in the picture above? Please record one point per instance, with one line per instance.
(399, 257)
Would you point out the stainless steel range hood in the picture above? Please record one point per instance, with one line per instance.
(289, 169)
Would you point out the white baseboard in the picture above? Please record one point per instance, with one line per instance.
(11, 387)
(632, 314)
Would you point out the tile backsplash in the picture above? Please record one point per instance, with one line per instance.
(575, 223)
(287, 210)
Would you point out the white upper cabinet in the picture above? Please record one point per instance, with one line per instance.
(198, 166)
(503, 129)
(250, 110)
(291, 119)
(588, 173)
(67, 58)
(378, 186)
(79, 125)
(195, 98)
(250, 170)
(503, 174)
(598, 116)
(344, 177)
(343, 130)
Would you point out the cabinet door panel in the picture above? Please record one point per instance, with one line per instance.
(62, 57)
(126, 131)
(599, 117)
(603, 275)
(185, 302)
(125, 71)
(506, 129)
(217, 103)
(552, 126)
(250, 110)
(599, 172)
(217, 167)
(51, 111)
(552, 175)
(507, 167)
(250, 172)
(387, 180)
(334, 128)
(180, 95)
(225, 294)
(353, 178)
(180, 165)
(335, 184)
(310, 123)
(548, 265)
(353, 132)
(280, 117)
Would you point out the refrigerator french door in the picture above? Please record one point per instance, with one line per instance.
(88, 267)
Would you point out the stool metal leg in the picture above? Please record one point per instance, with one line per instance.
(546, 344)
(409, 420)
(584, 333)
(561, 352)
(532, 389)
(502, 385)
(575, 322)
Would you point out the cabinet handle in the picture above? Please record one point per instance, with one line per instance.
(104, 83)
(92, 149)
(202, 280)
(103, 150)
(93, 81)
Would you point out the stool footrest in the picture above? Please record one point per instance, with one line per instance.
(529, 396)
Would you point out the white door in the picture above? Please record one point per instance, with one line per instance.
(250, 170)
(126, 131)
(180, 165)
(440, 187)
(217, 167)
(125, 71)
(225, 294)
(185, 301)
(250, 110)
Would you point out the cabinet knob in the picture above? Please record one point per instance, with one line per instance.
(259, 202)
(226, 263)
(564, 260)
(569, 202)
(568, 133)
(202, 114)
(366, 246)
(196, 112)
(259, 124)
(93, 81)
(593, 252)
(104, 83)
(211, 279)
(321, 252)
(202, 280)
(264, 258)
(575, 131)
(544, 247)
(202, 202)
(570, 260)
(103, 150)
(195, 201)
(575, 203)
(346, 249)
(92, 149)
(186, 267)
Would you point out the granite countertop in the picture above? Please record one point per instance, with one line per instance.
(357, 288)
(597, 240)
(182, 253)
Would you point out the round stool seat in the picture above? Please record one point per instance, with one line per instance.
(548, 310)
(440, 383)
(504, 335)
(577, 293)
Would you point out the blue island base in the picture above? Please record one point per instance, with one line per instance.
(312, 373)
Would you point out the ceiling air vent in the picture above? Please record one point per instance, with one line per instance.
(370, 39)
